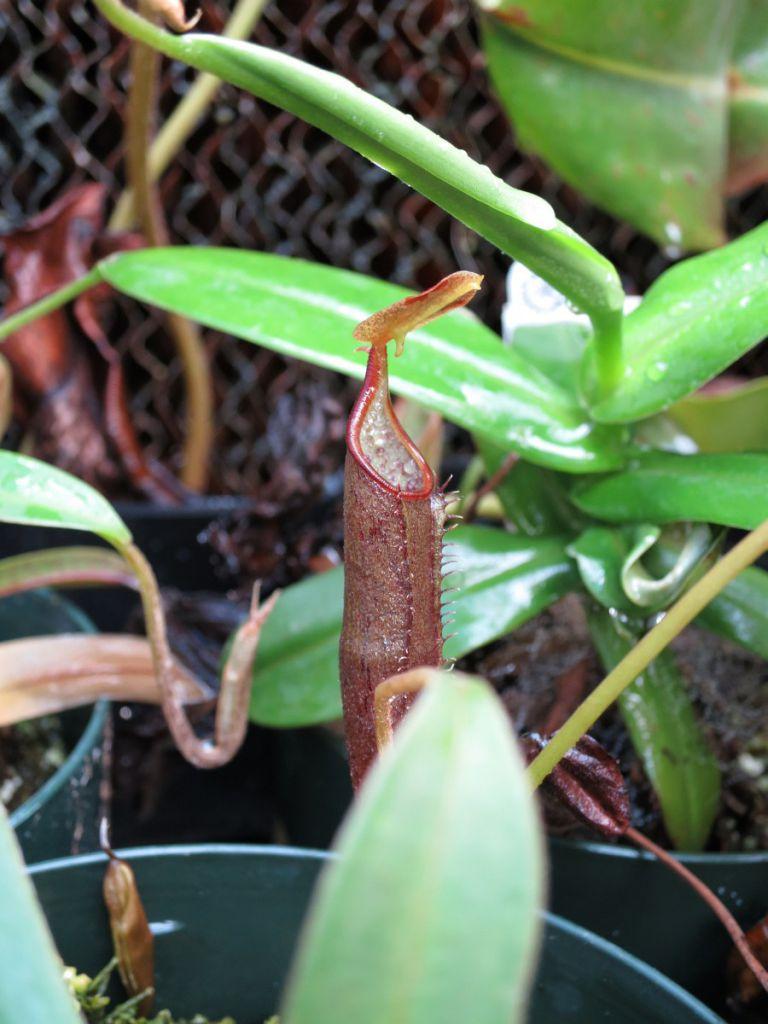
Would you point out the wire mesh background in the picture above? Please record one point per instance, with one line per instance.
(256, 177)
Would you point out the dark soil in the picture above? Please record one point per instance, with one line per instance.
(29, 754)
(729, 687)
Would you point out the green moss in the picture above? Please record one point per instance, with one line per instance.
(96, 1007)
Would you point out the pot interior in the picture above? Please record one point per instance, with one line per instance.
(43, 613)
(227, 918)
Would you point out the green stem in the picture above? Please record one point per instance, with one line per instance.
(51, 302)
(681, 614)
(608, 354)
(187, 114)
(134, 25)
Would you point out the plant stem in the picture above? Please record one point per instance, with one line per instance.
(231, 719)
(182, 122)
(134, 25)
(142, 100)
(629, 668)
(608, 353)
(55, 300)
(490, 485)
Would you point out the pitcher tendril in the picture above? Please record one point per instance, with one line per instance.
(231, 720)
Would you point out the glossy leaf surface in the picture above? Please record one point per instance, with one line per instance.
(31, 985)
(667, 736)
(693, 322)
(732, 420)
(600, 554)
(610, 562)
(520, 224)
(456, 365)
(534, 499)
(437, 922)
(502, 581)
(32, 493)
(659, 487)
(628, 102)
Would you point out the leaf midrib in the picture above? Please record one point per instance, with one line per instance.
(706, 86)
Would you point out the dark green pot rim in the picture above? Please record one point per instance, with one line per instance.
(692, 860)
(225, 850)
(73, 762)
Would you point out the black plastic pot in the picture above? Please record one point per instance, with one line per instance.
(173, 539)
(627, 897)
(62, 816)
(227, 919)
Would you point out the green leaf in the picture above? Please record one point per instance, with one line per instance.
(32, 493)
(455, 365)
(600, 554)
(556, 350)
(698, 547)
(693, 322)
(660, 487)
(431, 912)
(534, 499)
(748, 94)
(732, 420)
(612, 570)
(31, 984)
(627, 102)
(296, 673)
(740, 610)
(502, 581)
(666, 734)
(520, 224)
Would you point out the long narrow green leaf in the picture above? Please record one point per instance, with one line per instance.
(31, 986)
(456, 365)
(667, 736)
(431, 912)
(518, 223)
(501, 580)
(693, 322)
(32, 493)
(660, 487)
